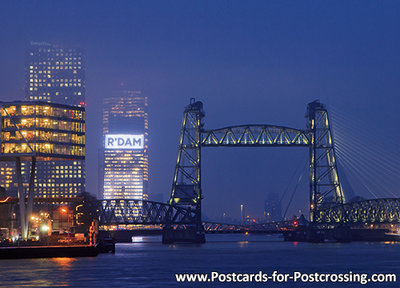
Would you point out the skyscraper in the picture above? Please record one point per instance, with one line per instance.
(56, 74)
(125, 157)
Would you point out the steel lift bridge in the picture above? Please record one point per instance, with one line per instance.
(181, 217)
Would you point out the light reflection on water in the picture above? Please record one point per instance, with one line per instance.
(64, 263)
(137, 239)
(148, 263)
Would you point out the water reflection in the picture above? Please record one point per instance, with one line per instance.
(147, 263)
(64, 263)
(137, 239)
(243, 243)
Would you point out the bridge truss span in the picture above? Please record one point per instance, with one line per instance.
(215, 227)
(254, 135)
(137, 212)
(374, 211)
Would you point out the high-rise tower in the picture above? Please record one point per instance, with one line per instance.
(125, 157)
(56, 74)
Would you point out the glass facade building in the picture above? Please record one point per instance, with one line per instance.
(125, 154)
(55, 74)
(50, 132)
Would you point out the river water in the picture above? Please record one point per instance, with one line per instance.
(148, 263)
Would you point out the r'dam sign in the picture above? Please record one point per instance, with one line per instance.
(124, 141)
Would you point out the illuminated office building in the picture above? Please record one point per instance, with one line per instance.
(125, 157)
(49, 132)
(56, 74)
(6, 175)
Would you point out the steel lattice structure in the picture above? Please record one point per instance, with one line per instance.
(186, 187)
(327, 201)
(374, 211)
(214, 227)
(254, 136)
(139, 212)
(325, 188)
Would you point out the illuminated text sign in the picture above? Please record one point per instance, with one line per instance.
(124, 141)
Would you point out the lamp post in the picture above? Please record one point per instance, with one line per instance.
(242, 212)
(64, 210)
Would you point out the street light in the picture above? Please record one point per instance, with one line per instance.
(65, 211)
(242, 213)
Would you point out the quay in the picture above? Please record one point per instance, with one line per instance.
(380, 233)
(48, 251)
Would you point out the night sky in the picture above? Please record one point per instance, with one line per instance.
(258, 62)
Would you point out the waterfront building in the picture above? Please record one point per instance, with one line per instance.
(52, 134)
(125, 149)
(56, 74)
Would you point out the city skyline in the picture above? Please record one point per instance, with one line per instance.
(200, 143)
(245, 64)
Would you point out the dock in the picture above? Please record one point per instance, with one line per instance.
(48, 251)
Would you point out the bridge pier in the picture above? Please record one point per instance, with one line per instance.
(186, 235)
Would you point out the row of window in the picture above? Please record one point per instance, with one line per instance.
(59, 185)
(66, 61)
(32, 85)
(43, 136)
(119, 191)
(57, 51)
(41, 110)
(61, 92)
(44, 123)
(56, 80)
(36, 89)
(47, 148)
(55, 68)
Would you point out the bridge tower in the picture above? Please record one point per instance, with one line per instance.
(325, 188)
(186, 186)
